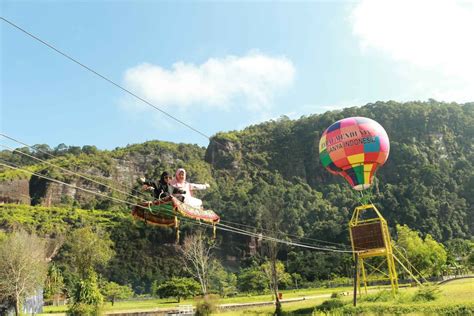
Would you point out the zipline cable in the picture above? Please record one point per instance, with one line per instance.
(121, 87)
(259, 235)
(295, 236)
(16, 167)
(104, 77)
(227, 228)
(105, 185)
(70, 172)
(53, 156)
(287, 242)
(124, 89)
(273, 239)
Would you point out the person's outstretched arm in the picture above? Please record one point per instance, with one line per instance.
(197, 186)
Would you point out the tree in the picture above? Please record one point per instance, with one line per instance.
(113, 291)
(54, 285)
(74, 150)
(272, 250)
(223, 282)
(428, 256)
(272, 210)
(89, 150)
(459, 252)
(42, 151)
(297, 278)
(196, 251)
(23, 267)
(60, 149)
(86, 296)
(425, 138)
(86, 250)
(252, 279)
(283, 278)
(179, 288)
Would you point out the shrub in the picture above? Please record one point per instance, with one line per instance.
(206, 306)
(87, 299)
(179, 288)
(381, 296)
(81, 309)
(424, 309)
(330, 305)
(426, 293)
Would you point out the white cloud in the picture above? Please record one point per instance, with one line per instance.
(434, 36)
(254, 80)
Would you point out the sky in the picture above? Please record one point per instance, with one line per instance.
(220, 65)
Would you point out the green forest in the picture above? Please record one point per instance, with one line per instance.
(267, 179)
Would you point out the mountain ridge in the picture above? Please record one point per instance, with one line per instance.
(431, 145)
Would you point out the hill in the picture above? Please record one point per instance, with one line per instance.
(266, 170)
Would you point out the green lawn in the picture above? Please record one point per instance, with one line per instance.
(458, 291)
(268, 310)
(452, 295)
(455, 297)
(150, 304)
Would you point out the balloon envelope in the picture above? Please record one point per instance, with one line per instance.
(354, 147)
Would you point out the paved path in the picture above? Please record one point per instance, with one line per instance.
(163, 311)
(289, 300)
(456, 278)
(170, 310)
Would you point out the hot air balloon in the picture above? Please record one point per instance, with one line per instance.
(354, 147)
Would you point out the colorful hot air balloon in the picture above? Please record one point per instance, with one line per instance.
(354, 147)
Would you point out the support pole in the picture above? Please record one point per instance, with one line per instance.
(176, 226)
(364, 277)
(356, 277)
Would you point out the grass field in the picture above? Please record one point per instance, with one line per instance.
(149, 304)
(454, 296)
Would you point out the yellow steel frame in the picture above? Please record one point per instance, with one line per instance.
(385, 251)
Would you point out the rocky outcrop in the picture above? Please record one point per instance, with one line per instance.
(123, 176)
(15, 191)
(224, 153)
(119, 173)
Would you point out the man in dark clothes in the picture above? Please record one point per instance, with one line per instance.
(164, 188)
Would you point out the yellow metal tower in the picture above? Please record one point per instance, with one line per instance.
(370, 238)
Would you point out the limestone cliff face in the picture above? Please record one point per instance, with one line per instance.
(123, 177)
(120, 173)
(224, 153)
(15, 191)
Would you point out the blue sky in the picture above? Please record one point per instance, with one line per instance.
(221, 66)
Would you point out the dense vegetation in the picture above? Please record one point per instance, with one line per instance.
(427, 182)
(271, 168)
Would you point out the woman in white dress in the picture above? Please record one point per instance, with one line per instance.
(180, 182)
